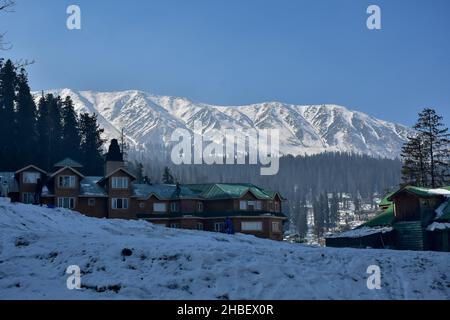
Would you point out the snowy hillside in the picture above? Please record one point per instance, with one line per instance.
(38, 244)
(150, 119)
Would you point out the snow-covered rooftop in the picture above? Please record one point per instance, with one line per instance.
(361, 232)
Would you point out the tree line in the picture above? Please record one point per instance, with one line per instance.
(45, 133)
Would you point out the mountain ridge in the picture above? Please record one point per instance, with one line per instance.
(149, 120)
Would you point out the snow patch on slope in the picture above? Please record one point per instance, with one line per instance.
(150, 119)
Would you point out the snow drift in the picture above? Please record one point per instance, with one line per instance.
(138, 260)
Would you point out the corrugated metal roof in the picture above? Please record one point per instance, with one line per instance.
(163, 191)
(385, 201)
(384, 219)
(232, 190)
(212, 191)
(423, 192)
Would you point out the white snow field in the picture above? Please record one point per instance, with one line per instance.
(38, 244)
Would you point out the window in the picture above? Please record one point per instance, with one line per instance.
(31, 177)
(159, 207)
(218, 226)
(66, 181)
(251, 226)
(199, 226)
(120, 183)
(242, 205)
(119, 203)
(258, 205)
(28, 198)
(200, 206)
(68, 203)
(174, 207)
(91, 202)
(270, 206)
(142, 205)
(276, 226)
(175, 225)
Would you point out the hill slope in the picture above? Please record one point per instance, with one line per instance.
(38, 244)
(149, 121)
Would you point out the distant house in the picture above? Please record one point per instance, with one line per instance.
(219, 207)
(412, 218)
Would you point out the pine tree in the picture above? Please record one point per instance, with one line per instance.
(318, 217)
(8, 139)
(70, 131)
(302, 220)
(43, 134)
(91, 147)
(334, 210)
(167, 176)
(426, 154)
(140, 173)
(25, 122)
(55, 132)
(414, 170)
(436, 142)
(325, 209)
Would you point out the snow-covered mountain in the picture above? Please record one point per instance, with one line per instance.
(37, 245)
(149, 120)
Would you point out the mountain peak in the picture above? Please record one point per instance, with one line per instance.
(150, 119)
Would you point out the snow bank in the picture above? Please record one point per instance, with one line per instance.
(38, 244)
(438, 226)
(439, 191)
(361, 232)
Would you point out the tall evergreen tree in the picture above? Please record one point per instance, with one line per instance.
(8, 80)
(55, 125)
(318, 217)
(302, 220)
(414, 158)
(334, 210)
(91, 144)
(25, 122)
(43, 134)
(436, 141)
(426, 154)
(325, 209)
(70, 130)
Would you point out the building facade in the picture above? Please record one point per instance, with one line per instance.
(411, 218)
(218, 207)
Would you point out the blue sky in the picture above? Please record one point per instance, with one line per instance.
(244, 51)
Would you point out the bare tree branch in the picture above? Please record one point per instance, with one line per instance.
(5, 5)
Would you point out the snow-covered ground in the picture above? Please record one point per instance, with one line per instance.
(38, 244)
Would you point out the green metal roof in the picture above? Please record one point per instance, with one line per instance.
(422, 192)
(385, 201)
(212, 191)
(67, 162)
(234, 190)
(384, 219)
(163, 191)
